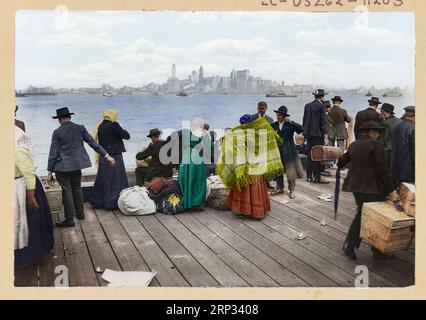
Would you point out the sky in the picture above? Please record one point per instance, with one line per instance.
(62, 48)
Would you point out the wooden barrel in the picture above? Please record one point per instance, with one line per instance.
(325, 153)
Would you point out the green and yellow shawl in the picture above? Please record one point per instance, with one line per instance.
(249, 153)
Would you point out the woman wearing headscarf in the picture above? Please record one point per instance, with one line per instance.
(33, 220)
(249, 158)
(192, 175)
(110, 181)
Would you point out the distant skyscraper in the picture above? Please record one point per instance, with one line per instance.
(242, 79)
(201, 76)
(173, 71)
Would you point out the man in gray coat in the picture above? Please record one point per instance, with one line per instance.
(262, 106)
(339, 117)
(67, 157)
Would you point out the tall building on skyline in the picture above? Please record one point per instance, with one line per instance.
(173, 71)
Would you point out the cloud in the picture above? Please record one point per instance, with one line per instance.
(353, 36)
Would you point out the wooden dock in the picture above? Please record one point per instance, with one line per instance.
(212, 248)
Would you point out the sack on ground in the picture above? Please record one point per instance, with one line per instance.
(171, 204)
(218, 194)
(135, 201)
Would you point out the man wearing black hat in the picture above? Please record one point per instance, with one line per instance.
(151, 154)
(368, 179)
(368, 114)
(339, 117)
(67, 157)
(262, 106)
(404, 148)
(289, 155)
(315, 132)
(389, 123)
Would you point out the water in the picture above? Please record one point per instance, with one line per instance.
(139, 114)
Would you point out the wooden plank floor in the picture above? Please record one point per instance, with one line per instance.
(212, 248)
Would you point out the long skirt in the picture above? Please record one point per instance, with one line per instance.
(193, 184)
(109, 183)
(40, 228)
(252, 200)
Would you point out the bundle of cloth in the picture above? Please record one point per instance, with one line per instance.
(166, 194)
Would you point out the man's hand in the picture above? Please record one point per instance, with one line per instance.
(31, 200)
(50, 178)
(111, 160)
(393, 196)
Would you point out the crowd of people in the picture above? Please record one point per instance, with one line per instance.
(382, 157)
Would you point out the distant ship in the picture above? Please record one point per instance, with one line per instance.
(182, 94)
(108, 94)
(280, 95)
(369, 94)
(41, 94)
(392, 94)
(20, 94)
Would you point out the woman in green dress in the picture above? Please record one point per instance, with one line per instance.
(192, 175)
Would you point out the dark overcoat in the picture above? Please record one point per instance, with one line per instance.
(111, 136)
(256, 116)
(314, 120)
(288, 149)
(67, 152)
(368, 173)
(339, 117)
(403, 151)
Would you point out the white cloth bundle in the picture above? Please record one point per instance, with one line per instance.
(135, 201)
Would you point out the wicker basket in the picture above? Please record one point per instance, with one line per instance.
(54, 196)
(387, 229)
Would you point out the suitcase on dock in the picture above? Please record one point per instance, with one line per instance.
(407, 195)
(325, 153)
(54, 196)
(386, 228)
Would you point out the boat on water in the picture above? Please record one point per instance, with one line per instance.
(280, 95)
(392, 94)
(369, 94)
(108, 94)
(20, 94)
(182, 94)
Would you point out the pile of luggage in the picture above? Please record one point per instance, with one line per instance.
(164, 196)
(390, 226)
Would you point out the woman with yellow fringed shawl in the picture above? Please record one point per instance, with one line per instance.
(250, 157)
(109, 181)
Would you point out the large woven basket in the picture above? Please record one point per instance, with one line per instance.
(54, 196)
(385, 228)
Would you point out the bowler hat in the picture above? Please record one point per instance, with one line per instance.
(283, 110)
(411, 109)
(371, 125)
(154, 132)
(337, 98)
(375, 100)
(62, 112)
(388, 108)
(319, 92)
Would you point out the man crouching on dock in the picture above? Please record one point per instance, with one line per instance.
(67, 157)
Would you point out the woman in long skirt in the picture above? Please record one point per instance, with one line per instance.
(33, 220)
(247, 181)
(192, 175)
(110, 181)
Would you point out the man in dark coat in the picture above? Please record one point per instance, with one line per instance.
(339, 117)
(19, 123)
(389, 123)
(286, 128)
(368, 114)
(67, 157)
(262, 107)
(315, 132)
(404, 148)
(155, 167)
(367, 178)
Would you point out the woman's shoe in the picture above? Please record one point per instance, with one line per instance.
(276, 192)
(349, 251)
(67, 223)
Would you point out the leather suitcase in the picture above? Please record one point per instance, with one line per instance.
(325, 153)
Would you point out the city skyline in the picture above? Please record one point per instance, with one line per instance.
(86, 49)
